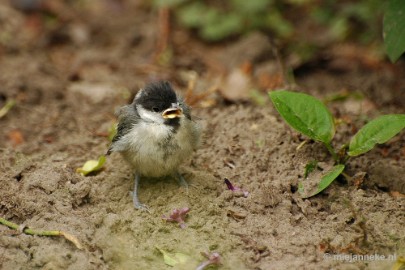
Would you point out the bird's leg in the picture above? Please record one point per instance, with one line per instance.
(135, 199)
(181, 180)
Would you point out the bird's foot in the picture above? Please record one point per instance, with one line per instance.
(137, 204)
(182, 182)
(141, 206)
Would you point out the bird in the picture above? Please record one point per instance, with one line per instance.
(156, 133)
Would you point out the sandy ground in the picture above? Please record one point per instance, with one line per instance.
(61, 126)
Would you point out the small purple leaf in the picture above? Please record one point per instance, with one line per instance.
(229, 184)
(213, 259)
(178, 215)
(234, 188)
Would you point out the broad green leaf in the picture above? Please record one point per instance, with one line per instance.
(305, 113)
(301, 188)
(310, 167)
(394, 29)
(376, 131)
(328, 178)
(91, 166)
(173, 259)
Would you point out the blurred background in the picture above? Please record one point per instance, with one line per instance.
(76, 55)
(165, 38)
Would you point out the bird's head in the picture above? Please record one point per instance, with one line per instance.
(158, 103)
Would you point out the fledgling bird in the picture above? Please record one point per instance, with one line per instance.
(156, 134)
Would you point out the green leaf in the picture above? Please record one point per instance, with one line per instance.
(278, 24)
(301, 188)
(310, 167)
(328, 178)
(305, 113)
(7, 107)
(258, 97)
(192, 14)
(252, 6)
(222, 26)
(173, 259)
(376, 131)
(168, 3)
(394, 29)
(91, 166)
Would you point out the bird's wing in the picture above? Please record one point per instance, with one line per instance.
(127, 118)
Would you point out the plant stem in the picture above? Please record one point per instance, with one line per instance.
(29, 231)
(348, 177)
(9, 224)
(332, 151)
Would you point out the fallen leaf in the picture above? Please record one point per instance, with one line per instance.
(179, 216)
(247, 67)
(231, 187)
(173, 259)
(270, 81)
(397, 194)
(16, 137)
(358, 179)
(91, 166)
(72, 239)
(236, 86)
(212, 259)
(112, 131)
(236, 214)
(6, 108)
(399, 264)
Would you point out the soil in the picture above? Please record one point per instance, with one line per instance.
(69, 78)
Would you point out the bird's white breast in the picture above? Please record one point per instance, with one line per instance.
(156, 150)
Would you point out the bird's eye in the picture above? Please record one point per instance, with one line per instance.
(155, 109)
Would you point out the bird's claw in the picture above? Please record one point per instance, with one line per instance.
(138, 205)
(182, 182)
(141, 206)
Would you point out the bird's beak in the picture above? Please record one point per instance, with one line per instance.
(173, 112)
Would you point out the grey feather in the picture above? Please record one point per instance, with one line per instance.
(127, 118)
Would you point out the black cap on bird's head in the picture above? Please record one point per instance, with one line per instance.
(159, 97)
